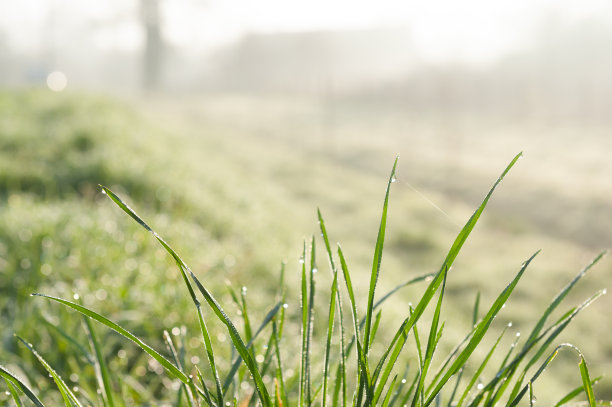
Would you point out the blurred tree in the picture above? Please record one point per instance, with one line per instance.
(153, 47)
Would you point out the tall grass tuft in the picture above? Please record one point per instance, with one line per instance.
(338, 367)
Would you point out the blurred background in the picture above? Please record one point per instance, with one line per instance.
(227, 123)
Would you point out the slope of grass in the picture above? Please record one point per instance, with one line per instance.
(235, 207)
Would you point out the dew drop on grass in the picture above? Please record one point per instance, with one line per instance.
(518, 334)
(285, 306)
(509, 324)
(76, 296)
(74, 377)
(403, 381)
(480, 386)
(393, 179)
(244, 289)
(314, 270)
(301, 260)
(7, 393)
(176, 331)
(604, 292)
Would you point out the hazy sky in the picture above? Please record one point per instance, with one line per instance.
(469, 30)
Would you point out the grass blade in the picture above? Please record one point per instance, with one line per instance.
(267, 319)
(212, 302)
(480, 368)
(480, 331)
(14, 393)
(330, 329)
(170, 368)
(376, 262)
(304, 328)
(177, 361)
(341, 372)
(586, 382)
(70, 399)
(101, 369)
(575, 393)
(13, 380)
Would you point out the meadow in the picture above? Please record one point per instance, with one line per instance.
(233, 183)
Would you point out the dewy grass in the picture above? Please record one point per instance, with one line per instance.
(346, 377)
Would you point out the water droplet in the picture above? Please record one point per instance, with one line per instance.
(285, 306)
(393, 179)
(176, 331)
(301, 260)
(480, 386)
(509, 324)
(403, 381)
(503, 306)
(244, 289)
(604, 292)
(518, 334)
(7, 393)
(76, 296)
(314, 270)
(104, 191)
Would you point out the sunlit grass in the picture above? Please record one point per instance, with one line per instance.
(346, 372)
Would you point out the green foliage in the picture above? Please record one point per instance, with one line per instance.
(377, 373)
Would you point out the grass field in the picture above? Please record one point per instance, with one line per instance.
(233, 182)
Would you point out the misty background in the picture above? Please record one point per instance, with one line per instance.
(235, 119)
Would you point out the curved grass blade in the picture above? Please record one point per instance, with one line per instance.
(514, 401)
(17, 383)
(575, 393)
(376, 263)
(311, 300)
(170, 368)
(212, 302)
(69, 398)
(480, 331)
(102, 375)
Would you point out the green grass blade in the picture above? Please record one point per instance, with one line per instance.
(104, 381)
(389, 393)
(212, 302)
(341, 372)
(70, 399)
(480, 331)
(376, 262)
(330, 329)
(309, 327)
(304, 327)
(586, 382)
(237, 341)
(236, 364)
(205, 392)
(478, 372)
(177, 361)
(14, 393)
(575, 393)
(279, 366)
(17, 383)
(170, 368)
(559, 298)
(210, 354)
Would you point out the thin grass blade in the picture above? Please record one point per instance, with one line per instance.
(586, 382)
(480, 331)
(69, 398)
(102, 375)
(376, 262)
(575, 393)
(19, 384)
(330, 329)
